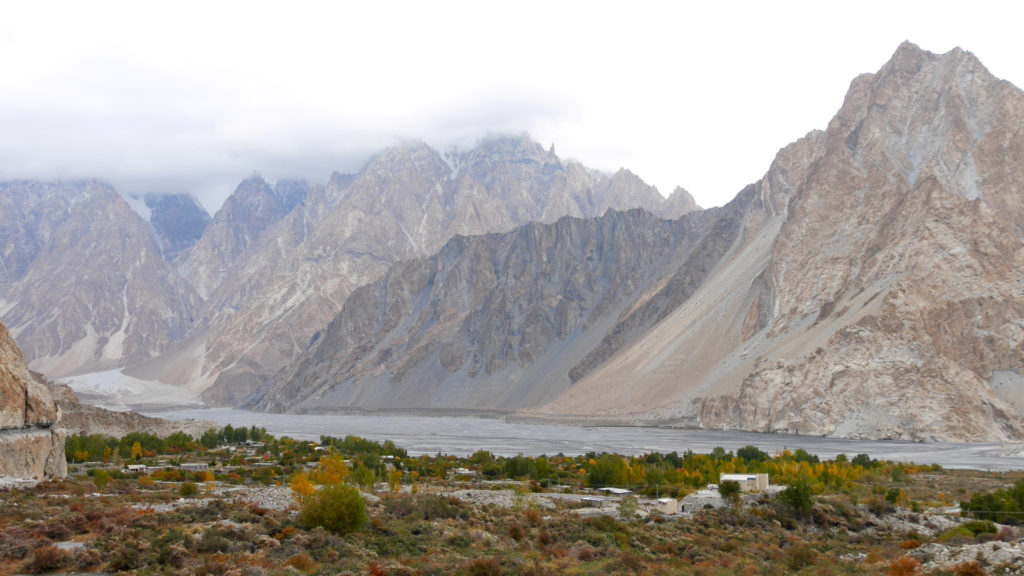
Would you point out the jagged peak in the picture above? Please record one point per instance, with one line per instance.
(518, 146)
(402, 152)
(153, 199)
(682, 199)
(909, 59)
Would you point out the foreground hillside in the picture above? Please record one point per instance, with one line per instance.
(271, 505)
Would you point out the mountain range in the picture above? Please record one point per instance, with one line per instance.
(867, 286)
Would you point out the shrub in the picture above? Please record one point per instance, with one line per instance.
(339, 509)
(213, 541)
(101, 478)
(905, 566)
(188, 490)
(425, 506)
(878, 506)
(86, 558)
(956, 533)
(303, 562)
(978, 527)
(483, 567)
(517, 532)
(1006, 534)
(968, 569)
(47, 559)
(800, 556)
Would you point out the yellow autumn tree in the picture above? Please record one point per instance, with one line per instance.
(136, 450)
(330, 471)
(395, 480)
(301, 485)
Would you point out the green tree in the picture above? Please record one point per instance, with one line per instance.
(101, 478)
(608, 470)
(628, 507)
(752, 454)
(338, 508)
(798, 496)
(210, 439)
(863, 460)
(362, 475)
(395, 480)
(730, 491)
(519, 467)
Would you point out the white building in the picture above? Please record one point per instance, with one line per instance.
(667, 505)
(747, 482)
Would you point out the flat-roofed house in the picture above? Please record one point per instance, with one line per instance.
(747, 482)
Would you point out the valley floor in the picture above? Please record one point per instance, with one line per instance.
(255, 530)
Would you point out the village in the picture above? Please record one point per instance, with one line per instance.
(237, 502)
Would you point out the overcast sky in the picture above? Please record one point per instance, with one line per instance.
(194, 97)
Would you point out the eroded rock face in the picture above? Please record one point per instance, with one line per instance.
(405, 204)
(82, 283)
(876, 291)
(31, 444)
(917, 203)
(491, 322)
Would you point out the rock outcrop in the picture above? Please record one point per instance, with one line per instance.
(31, 444)
(491, 322)
(82, 284)
(877, 292)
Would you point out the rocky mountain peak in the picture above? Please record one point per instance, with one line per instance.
(178, 221)
(507, 149)
(246, 215)
(678, 203)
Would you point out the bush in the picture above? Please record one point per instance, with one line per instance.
(188, 490)
(968, 569)
(101, 478)
(303, 562)
(47, 559)
(800, 556)
(957, 533)
(905, 566)
(424, 506)
(978, 527)
(213, 541)
(483, 567)
(339, 509)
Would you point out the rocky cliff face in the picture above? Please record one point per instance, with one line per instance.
(491, 322)
(82, 283)
(178, 222)
(31, 445)
(876, 293)
(405, 204)
(253, 208)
